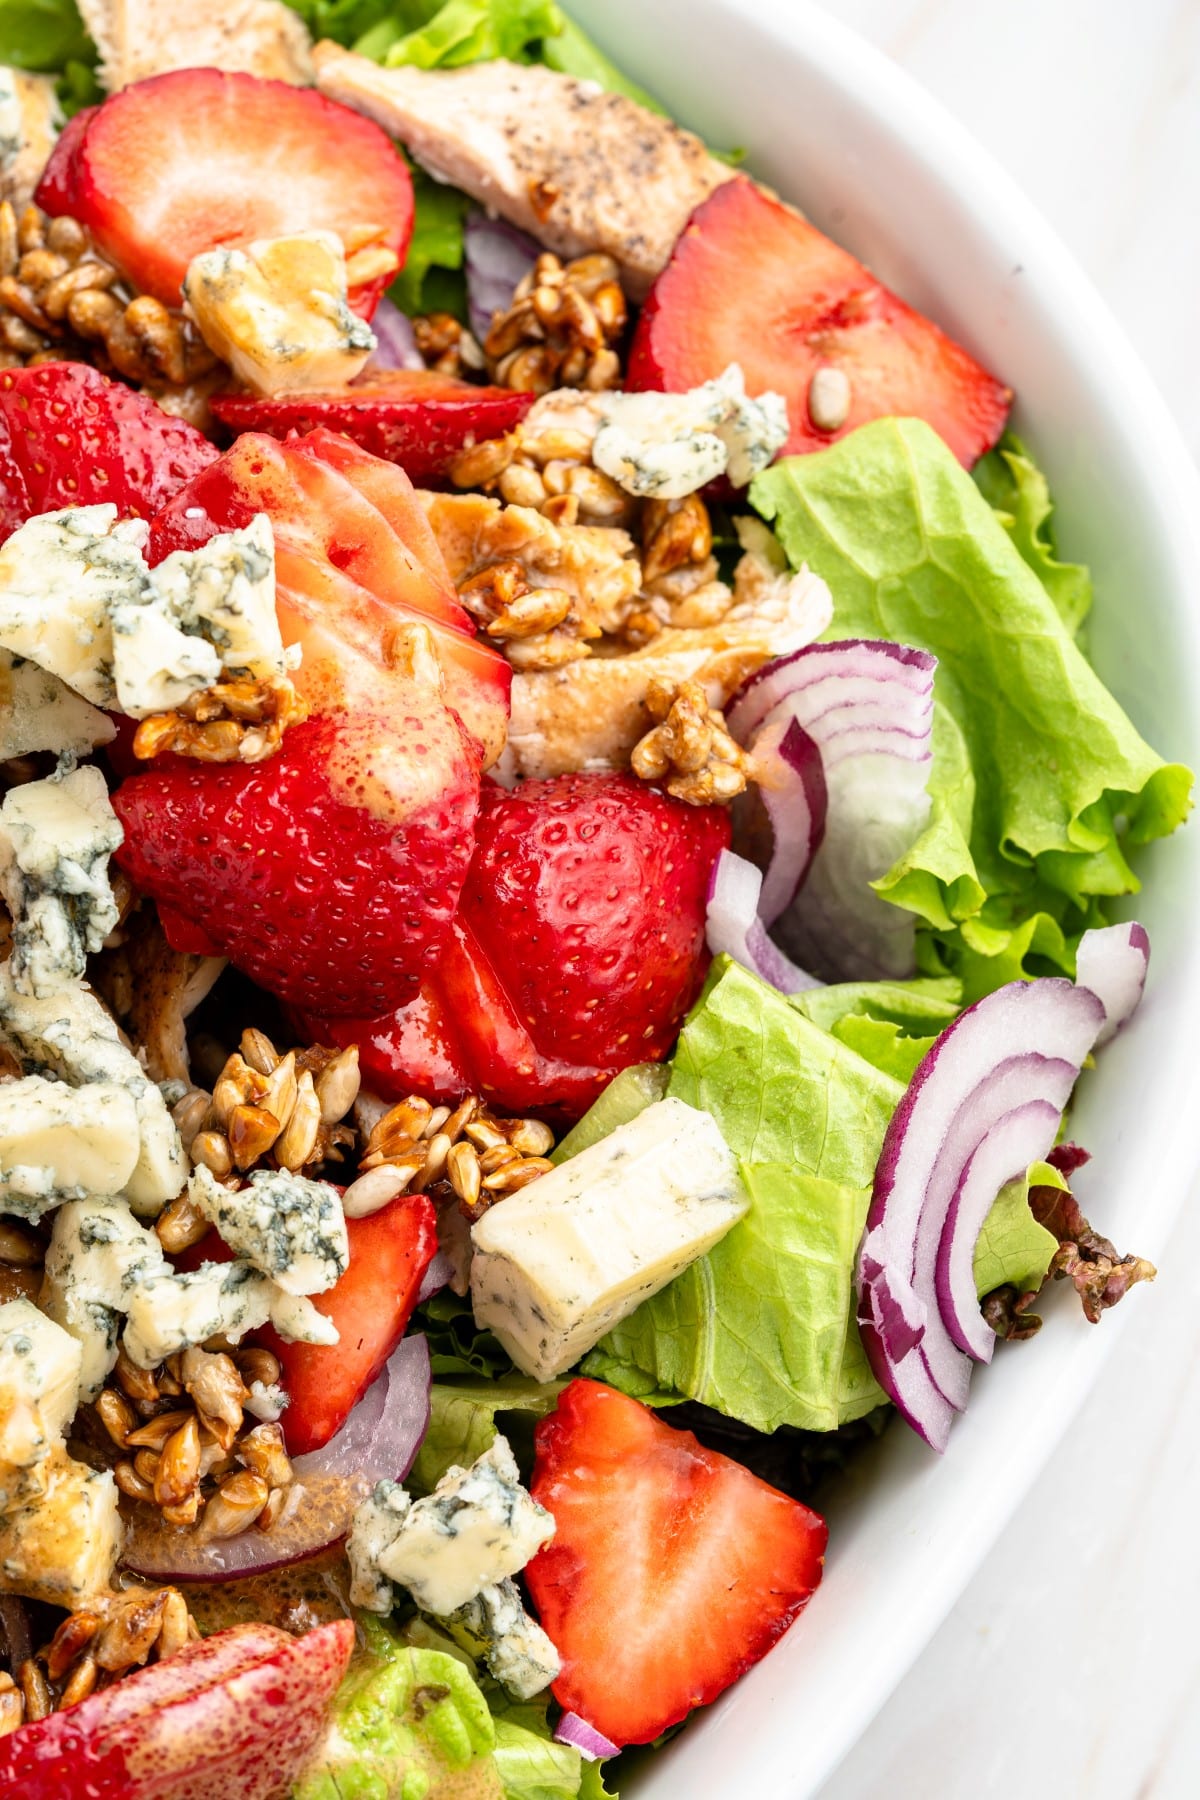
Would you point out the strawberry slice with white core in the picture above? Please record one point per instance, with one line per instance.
(198, 158)
(752, 282)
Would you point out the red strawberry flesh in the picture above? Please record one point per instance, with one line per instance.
(198, 158)
(751, 282)
(672, 1569)
(305, 870)
(235, 1717)
(70, 437)
(413, 417)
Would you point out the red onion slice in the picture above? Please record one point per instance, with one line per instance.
(1113, 962)
(590, 1743)
(868, 708)
(396, 343)
(439, 1274)
(379, 1441)
(790, 789)
(498, 256)
(734, 928)
(1002, 1156)
(1018, 1050)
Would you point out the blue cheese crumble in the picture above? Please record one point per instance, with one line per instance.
(69, 1036)
(665, 446)
(169, 1312)
(277, 312)
(40, 712)
(477, 1527)
(97, 1254)
(78, 600)
(496, 1626)
(61, 1143)
(287, 1226)
(39, 1395)
(56, 837)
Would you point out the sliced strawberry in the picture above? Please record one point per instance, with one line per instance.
(58, 186)
(672, 1569)
(235, 1717)
(751, 282)
(197, 158)
(578, 948)
(327, 873)
(183, 934)
(355, 559)
(371, 1306)
(69, 437)
(413, 417)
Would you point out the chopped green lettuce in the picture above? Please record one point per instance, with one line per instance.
(1040, 782)
(406, 1724)
(414, 1721)
(572, 52)
(1013, 1249)
(461, 31)
(462, 1421)
(890, 1024)
(762, 1327)
(456, 1344)
(431, 279)
(626, 1095)
(1018, 493)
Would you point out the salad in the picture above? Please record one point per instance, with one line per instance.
(562, 857)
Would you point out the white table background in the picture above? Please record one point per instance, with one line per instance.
(1071, 1665)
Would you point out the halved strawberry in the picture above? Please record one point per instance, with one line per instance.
(328, 873)
(198, 158)
(413, 417)
(577, 950)
(69, 437)
(752, 282)
(57, 188)
(371, 1306)
(672, 1569)
(355, 560)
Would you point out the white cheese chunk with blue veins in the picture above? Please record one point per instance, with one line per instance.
(11, 134)
(156, 666)
(558, 1264)
(96, 1256)
(63, 1547)
(377, 1522)
(478, 1526)
(277, 312)
(69, 1035)
(39, 1396)
(169, 1312)
(665, 446)
(287, 1226)
(496, 1626)
(56, 837)
(40, 712)
(60, 1143)
(225, 592)
(61, 574)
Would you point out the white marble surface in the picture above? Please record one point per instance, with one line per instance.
(1071, 1666)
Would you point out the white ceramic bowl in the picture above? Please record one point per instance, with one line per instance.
(835, 127)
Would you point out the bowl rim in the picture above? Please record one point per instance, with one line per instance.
(832, 53)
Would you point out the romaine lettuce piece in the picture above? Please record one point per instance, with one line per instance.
(43, 34)
(762, 1327)
(1040, 781)
(890, 1024)
(462, 1421)
(1013, 1249)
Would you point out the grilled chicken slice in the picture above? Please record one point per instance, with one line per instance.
(137, 38)
(577, 168)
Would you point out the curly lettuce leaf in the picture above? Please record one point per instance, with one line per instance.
(890, 1024)
(462, 1421)
(431, 279)
(457, 1346)
(1040, 781)
(1013, 1249)
(406, 1721)
(1019, 494)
